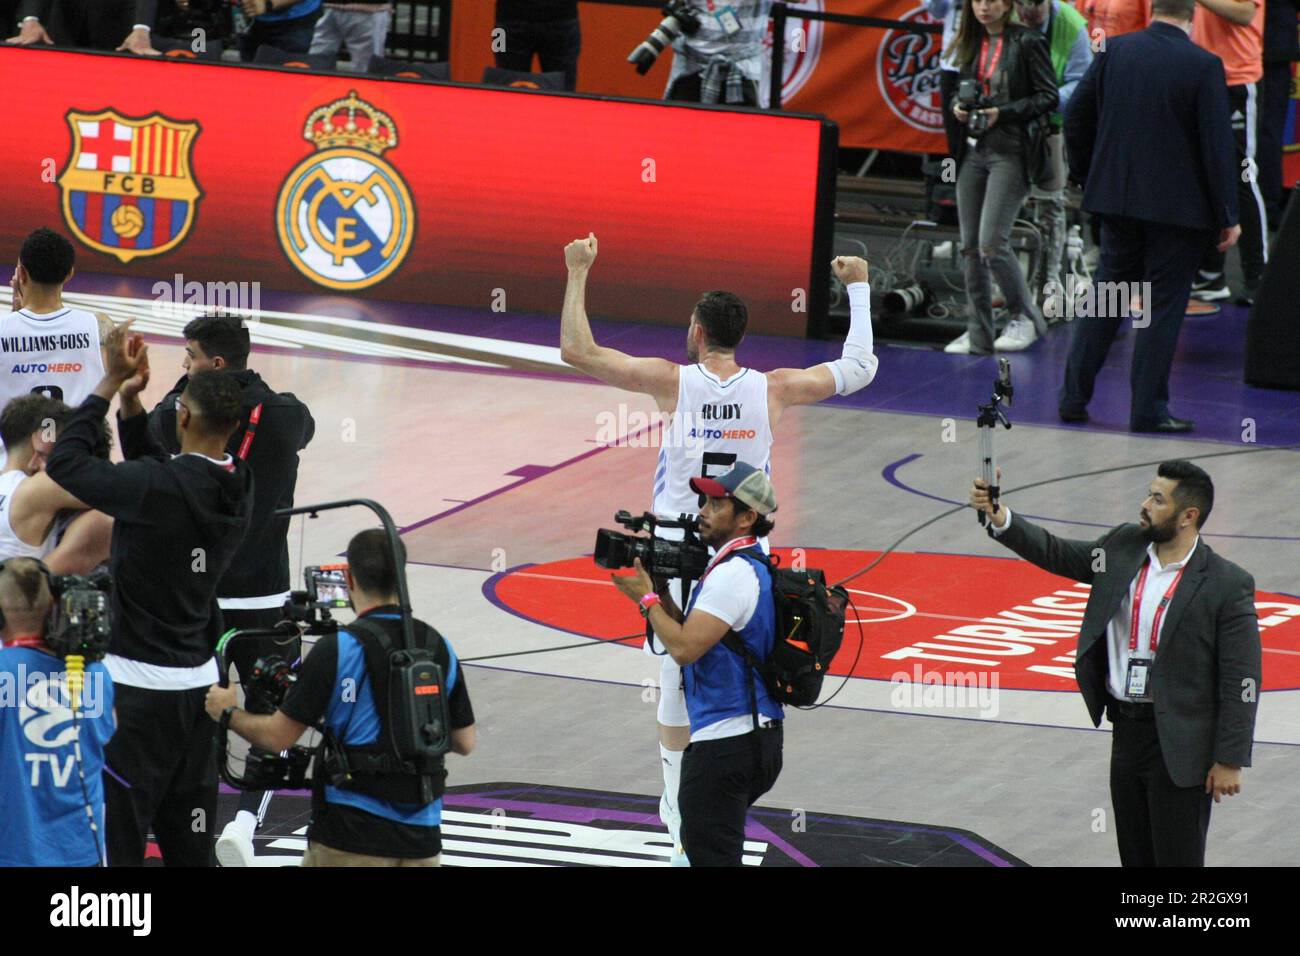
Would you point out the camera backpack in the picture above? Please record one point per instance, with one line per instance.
(406, 764)
(809, 630)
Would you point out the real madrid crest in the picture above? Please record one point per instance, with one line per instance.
(345, 217)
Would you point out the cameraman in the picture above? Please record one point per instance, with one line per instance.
(50, 779)
(734, 756)
(723, 61)
(1006, 93)
(352, 828)
(178, 521)
(274, 428)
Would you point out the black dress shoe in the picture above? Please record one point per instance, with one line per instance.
(1169, 425)
(1074, 418)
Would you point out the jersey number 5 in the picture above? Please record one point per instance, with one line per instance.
(721, 462)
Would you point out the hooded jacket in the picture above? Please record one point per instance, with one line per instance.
(261, 566)
(177, 525)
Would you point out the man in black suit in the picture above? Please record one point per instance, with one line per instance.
(1182, 691)
(1148, 134)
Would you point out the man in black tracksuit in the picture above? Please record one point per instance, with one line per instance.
(253, 591)
(177, 524)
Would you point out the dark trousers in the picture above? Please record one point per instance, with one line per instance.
(91, 24)
(244, 653)
(721, 779)
(1133, 251)
(1274, 98)
(291, 35)
(160, 771)
(1157, 822)
(1243, 100)
(556, 45)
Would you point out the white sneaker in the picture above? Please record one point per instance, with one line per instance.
(959, 346)
(942, 250)
(1018, 336)
(235, 845)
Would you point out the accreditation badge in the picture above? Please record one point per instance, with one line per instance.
(1137, 686)
(728, 20)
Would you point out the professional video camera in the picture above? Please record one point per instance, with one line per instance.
(680, 18)
(660, 557)
(273, 676)
(405, 765)
(80, 621)
(971, 98)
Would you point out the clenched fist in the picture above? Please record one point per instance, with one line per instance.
(850, 269)
(581, 253)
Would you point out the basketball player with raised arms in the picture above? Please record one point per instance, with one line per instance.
(48, 348)
(717, 412)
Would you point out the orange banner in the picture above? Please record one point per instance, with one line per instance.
(881, 86)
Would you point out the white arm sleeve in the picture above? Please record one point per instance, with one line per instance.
(857, 365)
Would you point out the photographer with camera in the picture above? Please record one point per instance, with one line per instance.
(52, 742)
(718, 46)
(355, 825)
(697, 400)
(1006, 92)
(179, 521)
(38, 519)
(274, 428)
(734, 756)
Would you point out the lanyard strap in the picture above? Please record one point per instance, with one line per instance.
(36, 642)
(981, 71)
(1160, 610)
(249, 433)
(735, 545)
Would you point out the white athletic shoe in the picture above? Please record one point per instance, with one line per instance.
(672, 819)
(959, 345)
(1018, 336)
(942, 250)
(235, 845)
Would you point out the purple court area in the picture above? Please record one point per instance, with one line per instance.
(1206, 385)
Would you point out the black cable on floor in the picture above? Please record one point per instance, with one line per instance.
(597, 641)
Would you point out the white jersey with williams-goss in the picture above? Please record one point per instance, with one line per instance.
(56, 354)
(716, 423)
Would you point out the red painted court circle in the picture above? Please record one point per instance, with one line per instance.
(921, 614)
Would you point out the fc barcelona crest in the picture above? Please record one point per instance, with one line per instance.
(345, 217)
(128, 186)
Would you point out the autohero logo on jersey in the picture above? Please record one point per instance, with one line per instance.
(629, 428)
(76, 909)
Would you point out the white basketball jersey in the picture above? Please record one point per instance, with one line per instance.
(716, 424)
(10, 545)
(56, 354)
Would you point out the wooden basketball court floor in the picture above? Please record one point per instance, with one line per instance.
(498, 465)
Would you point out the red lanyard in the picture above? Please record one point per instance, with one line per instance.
(1160, 611)
(247, 443)
(36, 642)
(730, 546)
(980, 71)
